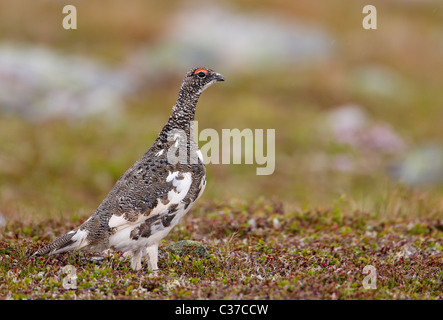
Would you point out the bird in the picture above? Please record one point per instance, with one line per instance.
(155, 193)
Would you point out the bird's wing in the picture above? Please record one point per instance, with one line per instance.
(151, 188)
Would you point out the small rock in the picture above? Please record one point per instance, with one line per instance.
(185, 247)
(252, 223)
(2, 225)
(275, 223)
(2, 220)
(39, 83)
(421, 166)
(381, 82)
(97, 259)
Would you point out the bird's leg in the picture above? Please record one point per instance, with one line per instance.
(136, 260)
(152, 253)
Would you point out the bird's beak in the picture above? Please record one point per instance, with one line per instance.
(219, 77)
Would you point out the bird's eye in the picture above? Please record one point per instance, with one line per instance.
(201, 74)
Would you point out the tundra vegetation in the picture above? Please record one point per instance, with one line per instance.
(343, 195)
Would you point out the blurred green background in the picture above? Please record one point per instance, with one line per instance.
(358, 113)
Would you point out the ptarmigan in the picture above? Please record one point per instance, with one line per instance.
(152, 196)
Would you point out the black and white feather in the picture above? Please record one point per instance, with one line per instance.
(152, 196)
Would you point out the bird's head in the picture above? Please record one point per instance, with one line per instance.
(199, 79)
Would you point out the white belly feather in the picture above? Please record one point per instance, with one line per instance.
(121, 239)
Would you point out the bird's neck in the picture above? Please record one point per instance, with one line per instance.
(184, 110)
(182, 116)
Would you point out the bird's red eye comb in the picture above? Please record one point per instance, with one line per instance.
(200, 70)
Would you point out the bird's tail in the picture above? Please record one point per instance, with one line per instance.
(73, 240)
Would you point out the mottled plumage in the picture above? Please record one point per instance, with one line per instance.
(153, 195)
